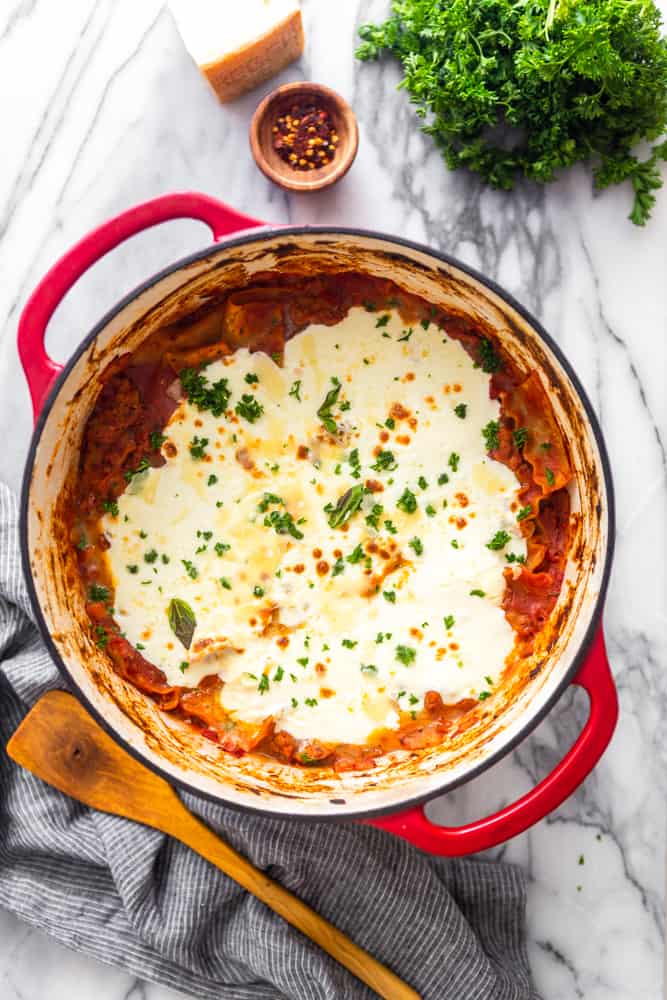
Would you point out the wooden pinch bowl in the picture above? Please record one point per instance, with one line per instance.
(280, 101)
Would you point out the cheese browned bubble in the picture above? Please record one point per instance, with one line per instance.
(203, 529)
(238, 44)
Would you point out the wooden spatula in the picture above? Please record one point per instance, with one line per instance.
(59, 742)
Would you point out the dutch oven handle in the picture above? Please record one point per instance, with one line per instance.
(596, 679)
(40, 370)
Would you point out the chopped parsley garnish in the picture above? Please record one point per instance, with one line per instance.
(164, 558)
(279, 674)
(132, 569)
(413, 699)
(407, 501)
(488, 359)
(368, 668)
(295, 703)
(524, 512)
(249, 408)
(151, 556)
(489, 680)
(198, 447)
(156, 439)
(551, 479)
(430, 510)
(338, 567)
(353, 459)
(251, 378)
(110, 507)
(282, 523)
(453, 461)
(346, 506)
(324, 412)
(389, 595)
(490, 435)
(302, 661)
(212, 480)
(356, 555)
(190, 569)
(98, 593)
(406, 334)
(499, 541)
(101, 636)
(477, 593)
(443, 479)
(263, 685)
(182, 621)
(460, 410)
(390, 423)
(345, 405)
(391, 527)
(424, 323)
(545, 446)
(202, 394)
(349, 643)
(512, 557)
(183, 666)
(258, 591)
(373, 519)
(296, 390)
(454, 544)
(385, 462)
(483, 695)
(416, 545)
(520, 436)
(422, 484)
(310, 702)
(381, 636)
(382, 320)
(131, 473)
(269, 500)
(406, 655)
(221, 547)
(449, 621)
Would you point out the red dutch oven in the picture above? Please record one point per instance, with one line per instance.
(392, 795)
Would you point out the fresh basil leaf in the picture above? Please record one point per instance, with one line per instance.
(182, 621)
(347, 505)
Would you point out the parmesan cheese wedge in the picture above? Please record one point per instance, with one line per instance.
(237, 44)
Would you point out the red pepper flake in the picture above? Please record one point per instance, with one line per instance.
(305, 137)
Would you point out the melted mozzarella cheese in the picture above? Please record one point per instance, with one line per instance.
(307, 629)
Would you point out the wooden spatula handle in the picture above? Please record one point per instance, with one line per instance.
(60, 743)
(381, 979)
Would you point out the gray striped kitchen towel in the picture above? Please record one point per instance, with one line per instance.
(133, 897)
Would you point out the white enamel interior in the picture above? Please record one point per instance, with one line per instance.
(180, 754)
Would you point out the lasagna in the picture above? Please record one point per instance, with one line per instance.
(321, 519)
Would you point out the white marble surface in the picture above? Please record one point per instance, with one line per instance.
(101, 108)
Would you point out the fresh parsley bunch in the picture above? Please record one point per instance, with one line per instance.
(529, 87)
